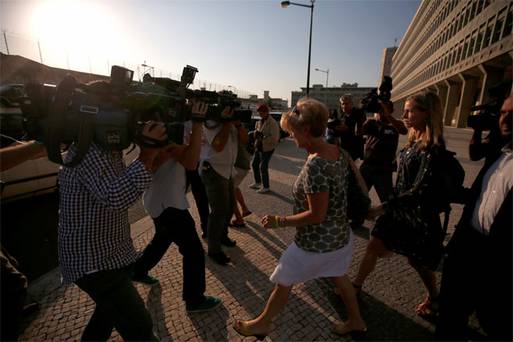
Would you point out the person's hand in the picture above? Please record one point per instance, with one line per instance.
(375, 212)
(198, 110)
(270, 221)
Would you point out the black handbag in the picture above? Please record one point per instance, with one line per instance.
(358, 201)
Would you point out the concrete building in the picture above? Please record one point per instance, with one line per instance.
(331, 95)
(459, 49)
(253, 101)
(386, 62)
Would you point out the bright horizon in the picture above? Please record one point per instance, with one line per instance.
(247, 45)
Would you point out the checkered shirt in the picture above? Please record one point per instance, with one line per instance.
(94, 232)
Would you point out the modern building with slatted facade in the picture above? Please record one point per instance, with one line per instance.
(459, 49)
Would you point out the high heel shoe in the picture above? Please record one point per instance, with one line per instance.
(342, 329)
(242, 328)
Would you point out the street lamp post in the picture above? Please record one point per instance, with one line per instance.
(327, 72)
(285, 4)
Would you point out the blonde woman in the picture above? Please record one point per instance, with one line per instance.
(323, 244)
(410, 224)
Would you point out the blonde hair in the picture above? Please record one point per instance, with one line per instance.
(309, 113)
(428, 101)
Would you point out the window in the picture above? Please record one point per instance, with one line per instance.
(473, 13)
(472, 43)
(488, 33)
(480, 38)
(497, 31)
(509, 22)
(465, 48)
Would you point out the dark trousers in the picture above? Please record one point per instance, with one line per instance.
(175, 225)
(380, 179)
(260, 165)
(221, 197)
(13, 293)
(473, 281)
(200, 197)
(118, 305)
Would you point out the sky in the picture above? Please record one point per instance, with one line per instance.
(244, 45)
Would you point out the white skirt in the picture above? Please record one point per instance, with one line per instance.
(298, 266)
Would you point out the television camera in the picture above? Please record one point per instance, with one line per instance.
(112, 113)
(371, 102)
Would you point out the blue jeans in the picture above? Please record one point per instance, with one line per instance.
(260, 165)
(118, 305)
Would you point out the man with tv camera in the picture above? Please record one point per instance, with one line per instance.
(382, 138)
(485, 118)
(477, 274)
(217, 170)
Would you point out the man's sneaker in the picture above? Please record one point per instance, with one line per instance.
(263, 190)
(228, 242)
(220, 258)
(145, 279)
(208, 304)
(255, 186)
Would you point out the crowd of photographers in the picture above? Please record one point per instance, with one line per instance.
(97, 253)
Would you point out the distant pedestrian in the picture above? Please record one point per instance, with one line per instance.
(323, 245)
(410, 224)
(267, 135)
(477, 274)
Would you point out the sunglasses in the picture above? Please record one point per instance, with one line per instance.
(295, 110)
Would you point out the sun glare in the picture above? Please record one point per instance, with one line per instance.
(79, 27)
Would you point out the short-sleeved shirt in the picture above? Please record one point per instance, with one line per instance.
(321, 175)
(223, 162)
(167, 189)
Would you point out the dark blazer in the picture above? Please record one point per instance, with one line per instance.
(500, 236)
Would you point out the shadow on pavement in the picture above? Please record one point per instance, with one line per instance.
(204, 322)
(154, 305)
(383, 322)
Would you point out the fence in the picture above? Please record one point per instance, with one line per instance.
(59, 56)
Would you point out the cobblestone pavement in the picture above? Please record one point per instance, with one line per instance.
(387, 304)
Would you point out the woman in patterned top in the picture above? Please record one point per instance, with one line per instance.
(410, 224)
(323, 244)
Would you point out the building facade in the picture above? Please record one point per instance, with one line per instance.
(331, 95)
(386, 62)
(460, 49)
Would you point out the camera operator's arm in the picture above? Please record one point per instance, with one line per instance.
(12, 156)
(388, 117)
(222, 137)
(190, 154)
(242, 132)
(98, 172)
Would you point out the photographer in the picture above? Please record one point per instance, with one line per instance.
(267, 135)
(166, 203)
(350, 127)
(487, 119)
(217, 170)
(95, 247)
(379, 159)
(477, 273)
